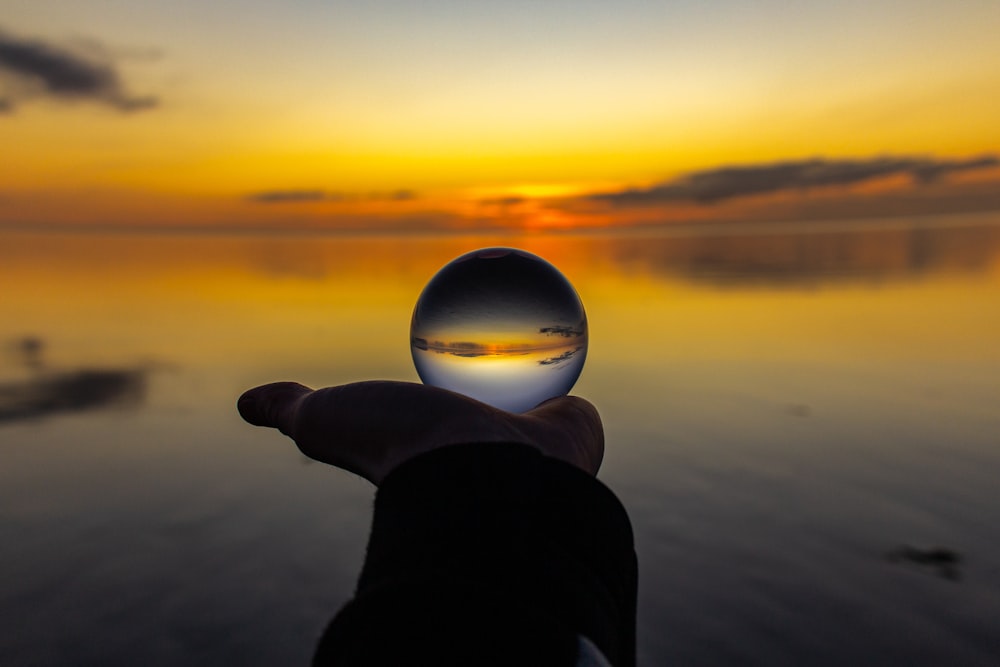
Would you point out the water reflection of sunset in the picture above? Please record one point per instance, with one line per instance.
(812, 396)
(155, 294)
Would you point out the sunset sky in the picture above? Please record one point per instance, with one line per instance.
(444, 114)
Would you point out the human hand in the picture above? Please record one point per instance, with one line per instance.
(369, 428)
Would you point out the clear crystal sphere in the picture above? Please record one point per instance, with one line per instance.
(502, 326)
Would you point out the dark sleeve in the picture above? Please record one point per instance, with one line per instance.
(487, 554)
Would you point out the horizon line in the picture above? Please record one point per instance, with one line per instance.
(683, 227)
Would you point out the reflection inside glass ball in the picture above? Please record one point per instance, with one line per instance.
(502, 326)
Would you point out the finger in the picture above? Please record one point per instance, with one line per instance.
(570, 429)
(577, 416)
(272, 404)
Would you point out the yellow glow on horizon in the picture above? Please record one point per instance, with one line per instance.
(607, 100)
(176, 150)
(205, 298)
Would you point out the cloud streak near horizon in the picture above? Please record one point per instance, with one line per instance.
(306, 195)
(710, 186)
(33, 68)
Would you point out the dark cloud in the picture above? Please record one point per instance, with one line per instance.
(931, 170)
(402, 195)
(503, 201)
(35, 68)
(287, 196)
(714, 185)
(565, 356)
(314, 195)
(564, 331)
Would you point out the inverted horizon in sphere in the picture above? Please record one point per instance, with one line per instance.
(500, 325)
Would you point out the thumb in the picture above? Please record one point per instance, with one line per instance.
(272, 405)
(568, 428)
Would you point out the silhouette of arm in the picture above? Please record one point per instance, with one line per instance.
(492, 542)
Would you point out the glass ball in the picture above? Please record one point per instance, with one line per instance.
(502, 326)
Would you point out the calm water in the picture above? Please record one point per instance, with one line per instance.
(784, 409)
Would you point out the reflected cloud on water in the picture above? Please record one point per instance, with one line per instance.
(780, 254)
(942, 561)
(808, 254)
(49, 391)
(755, 461)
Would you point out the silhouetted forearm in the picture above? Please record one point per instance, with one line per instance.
(490, 553)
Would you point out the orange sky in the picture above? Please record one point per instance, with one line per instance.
(471, 115)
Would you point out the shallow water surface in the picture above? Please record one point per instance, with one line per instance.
(803, 421)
